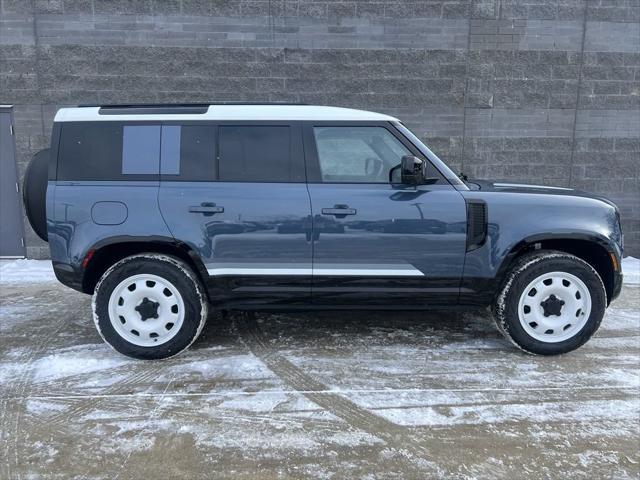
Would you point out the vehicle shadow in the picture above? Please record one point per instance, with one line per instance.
(329, 329)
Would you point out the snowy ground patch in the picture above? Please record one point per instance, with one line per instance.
(83, 360)
(26, 271)
(311, 395)
(631, 270)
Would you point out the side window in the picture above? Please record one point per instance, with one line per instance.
(90, 151)
(108, 151)
(357, 154)
(141, 150)
(188, 152)
(258, 154)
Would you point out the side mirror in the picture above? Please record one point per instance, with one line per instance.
(412, 170)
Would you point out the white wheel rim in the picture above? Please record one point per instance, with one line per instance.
(130, 323)
(541, 320)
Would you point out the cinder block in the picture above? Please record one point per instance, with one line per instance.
(502, 75)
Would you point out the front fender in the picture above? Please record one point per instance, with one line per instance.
(517, 222)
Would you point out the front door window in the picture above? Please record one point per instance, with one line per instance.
(357, 154)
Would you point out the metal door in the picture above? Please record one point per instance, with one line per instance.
(376, 242)
(387, 244)
(251, 228)
(11, 228)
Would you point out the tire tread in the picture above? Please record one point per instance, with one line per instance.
(524, 263)
(173, 262)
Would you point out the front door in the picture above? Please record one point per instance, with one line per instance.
(236, 194)
(11, 229)
(378, 242)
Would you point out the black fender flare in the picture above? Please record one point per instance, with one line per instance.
(525, 244)
(136, 244)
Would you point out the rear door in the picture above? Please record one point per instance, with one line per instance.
(236, 194)
(378, 242)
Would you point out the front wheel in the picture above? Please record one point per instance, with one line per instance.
(550, 303)
(149, 306)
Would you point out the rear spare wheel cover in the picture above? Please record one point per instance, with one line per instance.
(34, 192)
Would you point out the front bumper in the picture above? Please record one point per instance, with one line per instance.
(617, 286)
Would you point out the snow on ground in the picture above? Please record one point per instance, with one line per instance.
(314, 395)
(32, 271)
(631, 270)
(11, 315)
(83, 360)
(26, 271)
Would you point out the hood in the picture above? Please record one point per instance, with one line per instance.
(513, 187)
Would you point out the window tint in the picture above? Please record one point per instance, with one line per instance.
(188, 152)
(258, 154)
(113, 151)
(141, 150)
(357, 154)
(90, 151)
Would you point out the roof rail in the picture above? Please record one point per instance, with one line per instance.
(169, 108)
(175, 105)
(152, 109)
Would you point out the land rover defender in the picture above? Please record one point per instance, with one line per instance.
(163, 212)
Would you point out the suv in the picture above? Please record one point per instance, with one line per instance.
(164, 211)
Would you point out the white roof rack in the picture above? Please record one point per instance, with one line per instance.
(228, 112)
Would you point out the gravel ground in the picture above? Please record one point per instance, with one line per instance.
(330, 395)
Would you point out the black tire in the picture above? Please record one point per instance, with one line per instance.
(526, 270)
(34, 192)
(179, 276)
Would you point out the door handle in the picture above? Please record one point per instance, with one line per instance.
(206, 208)
(340, 211)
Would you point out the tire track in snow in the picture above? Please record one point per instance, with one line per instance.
(12, 417)
(396, 437)
(58, 387)
(85, 405)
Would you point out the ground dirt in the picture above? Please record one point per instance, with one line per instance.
(329, 395)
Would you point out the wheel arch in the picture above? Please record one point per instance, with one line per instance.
(594, 249)
(107, 252)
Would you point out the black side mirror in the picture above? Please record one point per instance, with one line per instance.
(412, 170)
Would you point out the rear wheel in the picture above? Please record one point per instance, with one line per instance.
(550, 303)
(149, 306)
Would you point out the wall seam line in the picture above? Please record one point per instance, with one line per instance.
(466, 88)
(578, 89)
(36, 45)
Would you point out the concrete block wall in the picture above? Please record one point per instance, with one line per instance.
(541, 91)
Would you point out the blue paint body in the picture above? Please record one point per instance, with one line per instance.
(417, 228)
(522, 216)
(266, 223)
(424, 226)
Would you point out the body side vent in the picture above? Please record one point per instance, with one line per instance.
(476, 223)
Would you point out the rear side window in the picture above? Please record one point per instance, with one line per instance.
(108, 151)
(140, 149)
(259, 154)
(188, 152)
(90, 151)
(115, 151)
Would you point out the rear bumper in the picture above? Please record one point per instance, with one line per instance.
(68, 276)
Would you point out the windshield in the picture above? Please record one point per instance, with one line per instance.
(439, 164)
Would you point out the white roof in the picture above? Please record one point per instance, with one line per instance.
(232, 112)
